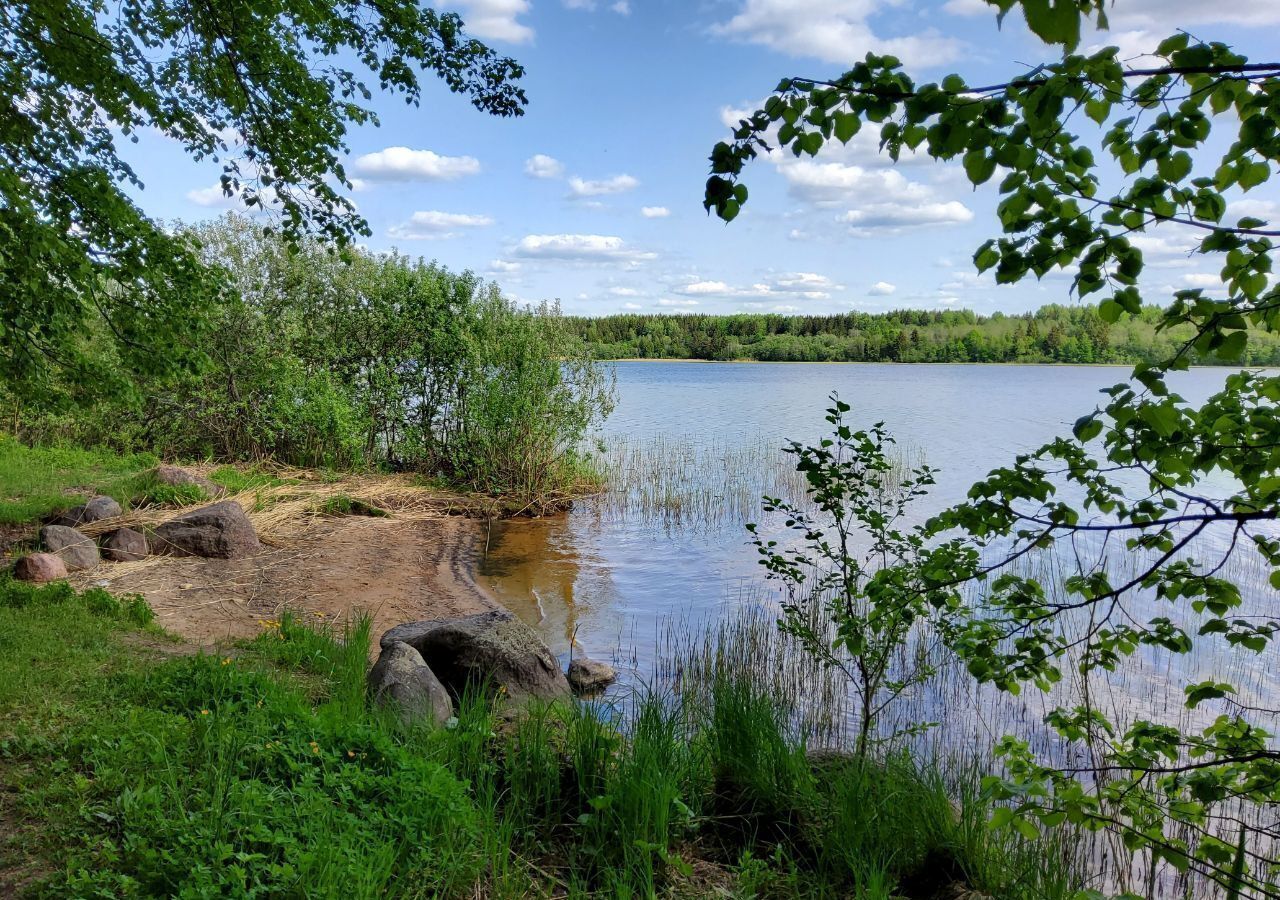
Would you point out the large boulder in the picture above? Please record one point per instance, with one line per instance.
(589, 676)
(95, 510)
(402, 680)
(220, 530)
(76, 549)
(494, 649)
(124, 545)
(40, 567)
(173, 475)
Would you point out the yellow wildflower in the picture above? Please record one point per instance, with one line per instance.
(204, 712)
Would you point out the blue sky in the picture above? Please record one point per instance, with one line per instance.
(594, 196)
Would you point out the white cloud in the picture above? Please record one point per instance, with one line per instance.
(706, 287)
(1266, 210)
(1157, 14)
(834, 31)
(404, 164)
(1202, 280)
(433, 224)
(830, 184)
(503, 265)
(542, 166)
(1170, 250)
(622, 8)
(618, 184)
(632, 306)
(587, 248)
(873, 198)
(809, 285)
(1138, 26)
(496, 19)
(882, 289)
(667, 301)
(1132, 44)
(654, 212)
(906, 215)
(212, 197)
(625, 292)
(969, 8)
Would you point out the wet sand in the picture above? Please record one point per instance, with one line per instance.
(398, 571)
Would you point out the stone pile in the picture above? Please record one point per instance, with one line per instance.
(220, 530)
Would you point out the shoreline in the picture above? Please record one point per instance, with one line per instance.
(417, 559)
(863, 362)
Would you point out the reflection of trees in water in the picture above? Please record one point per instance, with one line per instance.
(537, 569)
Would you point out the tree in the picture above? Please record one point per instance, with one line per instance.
(267, 88)
(852, 528)
(1136, 472)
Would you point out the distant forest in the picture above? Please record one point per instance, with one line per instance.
(1052, 334)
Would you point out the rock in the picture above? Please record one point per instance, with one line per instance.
(220, 530)
(166, 474)
(124, 545)
(589, 676)
(76, 549)
(95, 510)
(40, 567)
(401, 679)
(493, 648)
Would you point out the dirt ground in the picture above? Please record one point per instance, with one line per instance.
(398, 571)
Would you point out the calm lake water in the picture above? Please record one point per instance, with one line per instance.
(615, 577)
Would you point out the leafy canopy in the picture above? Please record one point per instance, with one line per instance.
(266, 88)
(1086, 152)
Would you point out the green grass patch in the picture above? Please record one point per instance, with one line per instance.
(39, 482)
(267, 773)
(244, 478)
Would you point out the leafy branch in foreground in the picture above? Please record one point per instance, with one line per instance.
(1179, 491)
(267, 89)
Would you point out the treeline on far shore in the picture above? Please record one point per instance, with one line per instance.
(1055, 333)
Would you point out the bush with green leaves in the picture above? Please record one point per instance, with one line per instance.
(854, 586)
(354, 359)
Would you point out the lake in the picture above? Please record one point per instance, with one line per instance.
(614, 574)
(690, 449)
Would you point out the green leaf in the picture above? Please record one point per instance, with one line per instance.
(1253, 174)
(846, 126)
(1087, 428)
(979, 166)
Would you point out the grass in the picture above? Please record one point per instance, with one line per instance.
(132, 771)
(38, 482)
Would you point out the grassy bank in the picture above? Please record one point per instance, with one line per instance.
(131, 768)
